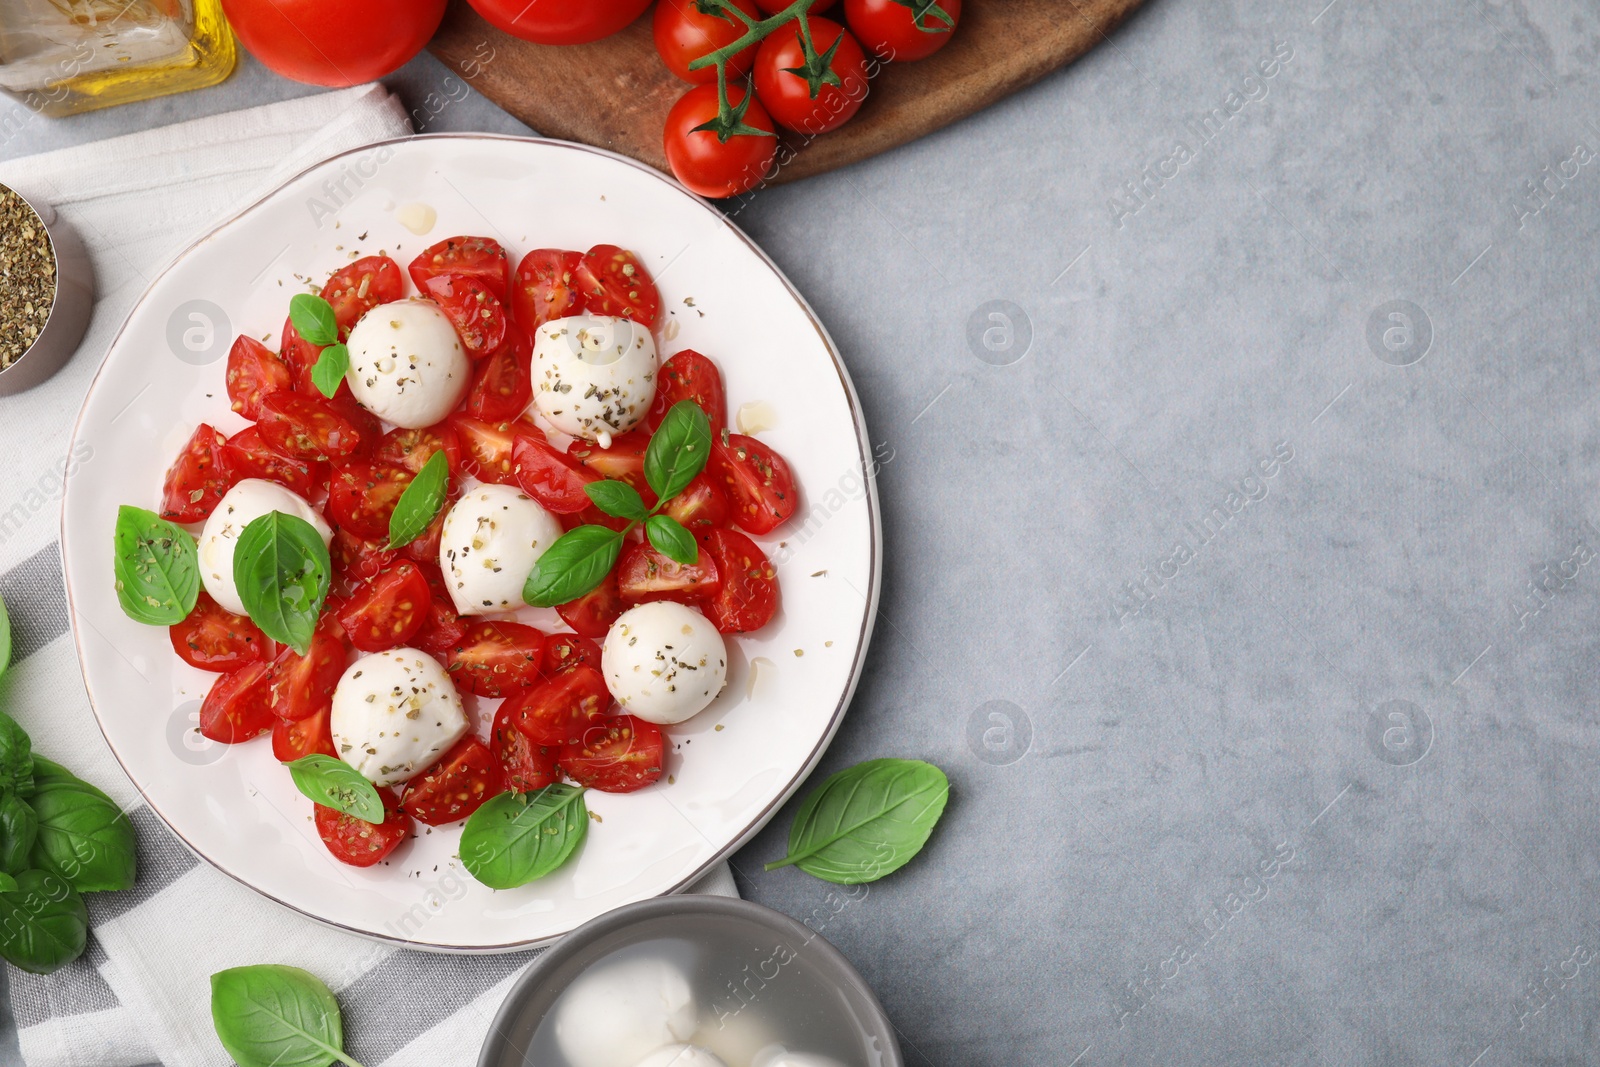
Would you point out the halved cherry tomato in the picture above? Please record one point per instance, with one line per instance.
(455, 786)
(356, 559)
(593, 613)
(412, 449)
(239, 705)
(749, 595)
(213, 638)
(292, 740)
(502, 384)
(612, 281)
(443, 628)
(702, 161)
(472, 308)
(369, 430)
(424, 548)
(559, 709)
(486, 447)
(361, 286)
(524, 766)
(302, 686)
(254, 373)
(645, 574)
(564, 651)
(618, 755)
(362, 496)
(389, 610)
(787, 95)
(545, 288)
(550, 476)
(197, 480)
(689, 376)
(479, 258)
(307, 427)
(891, 30)
(301, 355)
(496, 659)
(623, 461)
(757, 480)
(247, 455)
(358, 842)
(684, 32)
(702, 503)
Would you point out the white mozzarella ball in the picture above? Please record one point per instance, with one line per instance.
(664, 662)
(622, 1011)
(490, 541)
(593, 375)
(681, 1056)
(407, 365)
(242, 505)
(394, 713)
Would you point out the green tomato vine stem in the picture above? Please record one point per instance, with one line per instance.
(730, 119)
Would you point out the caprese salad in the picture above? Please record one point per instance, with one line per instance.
(418, 467)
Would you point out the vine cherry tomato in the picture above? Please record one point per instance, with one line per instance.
(559, 709)
(525, 766)
(479, 258)
(788, 96)
(358, 842)
(618, 755)
(612, 281)
(689, 376)
(358, 287)
(685, 30)
(455, 786)
(772, 7)
(891, 30)
(644, 574)
(757, 480)
(239, 705)
(708, 165)
(477, 314)
(748, 597)
(213, 638)
(560, 21)
(197, 481)
(550, 476)
(387, 611)
(255, 373)
(337, 45)
(544, 289)
(497, 659)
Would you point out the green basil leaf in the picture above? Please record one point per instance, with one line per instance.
(16, 757)
(85, 838)
(867, 821)
(328, 372)
(420, 501)
(516, 838)
(578, 561)
(678, 450)
(275, 1016)
(281, 568)
(48, 774)
(617, 498)
(157, 568)
(671, 539)
(43, 923)
(335, 784)
(19, 828)
(313, 318)
(8, 883)
(5, 638)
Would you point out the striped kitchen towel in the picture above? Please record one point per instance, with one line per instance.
(141, 992)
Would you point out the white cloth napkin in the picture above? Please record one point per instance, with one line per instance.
(141, 992)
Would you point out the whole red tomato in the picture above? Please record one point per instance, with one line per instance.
(788, 97)
(684, 32)
(890, 29)
(772, 7)
(336, 44)
(560, 21)
(707, 165)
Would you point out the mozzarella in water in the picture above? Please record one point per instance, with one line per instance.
(622, 1011)
(394, 713)
(664, 662)
(593, 375)
(239, 507)
(490, 541)
(681, 1056)
(407, 365)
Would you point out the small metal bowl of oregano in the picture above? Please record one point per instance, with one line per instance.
(46, 293)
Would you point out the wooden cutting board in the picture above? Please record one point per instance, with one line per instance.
(616, 93)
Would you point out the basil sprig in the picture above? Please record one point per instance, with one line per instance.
(866, 821)
(275, 1016)
(44, 924)
(83, 836)
(157, 568)
(420, 501)
(581, 558)
(516, 838)
(281, 568)
(335, 784)
(314, 321)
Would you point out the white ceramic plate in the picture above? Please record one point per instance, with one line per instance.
(732, 765)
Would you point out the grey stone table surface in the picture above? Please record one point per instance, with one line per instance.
(1240, 384)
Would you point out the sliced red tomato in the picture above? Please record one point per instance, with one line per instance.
(702, 503)
(545, 287)
(593, 613)
(612, 281)
(213, 638)
(442, 628)
(524, 766)
(424, 548)
(255, 373)
(623, 461)
(292, 740)
(239, 705)
(197, 480)
(486, 446)
(358, 287)
(455, 786)
(472, 308)
(757, 480)
(358, 842)
(644, 574)
(689, 376)
(618, 755)
(497, 659)
(412, 449)
(559, 709)
(564, 651)
(300, 355)
(387, 611)
(550, 476)
(480, 259)
(247, 455)
(302, 686)
(362, 497)
(748, 598)
(307, 428)
(356, 559)
(502, 384)
(369, 430)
